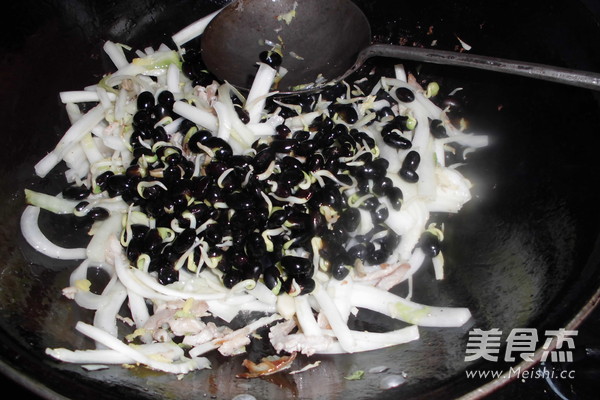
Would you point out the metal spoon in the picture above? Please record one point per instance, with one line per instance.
(329, 39)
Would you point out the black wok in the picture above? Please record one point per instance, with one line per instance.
(524, 253)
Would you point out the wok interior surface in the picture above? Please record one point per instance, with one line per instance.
(524, 253)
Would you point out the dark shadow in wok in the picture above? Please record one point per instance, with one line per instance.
(523, 253)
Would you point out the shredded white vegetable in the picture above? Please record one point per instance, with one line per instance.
(197, 306)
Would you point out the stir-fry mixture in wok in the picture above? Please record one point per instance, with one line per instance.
(203, 203)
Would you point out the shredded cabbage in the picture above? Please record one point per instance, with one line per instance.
(316, 322)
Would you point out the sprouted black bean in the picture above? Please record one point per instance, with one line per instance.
(204, 203)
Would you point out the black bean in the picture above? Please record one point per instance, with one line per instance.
(390, 242)
(240, 201)
(102, 179)
(322, 124)
(272, 277)
(333, 152)
(277, 218)
(317, 222)
(213, 234)
(159, 134)
(166, 99)
(263, 160)
(307, 285)
(231, 182)
(243, 220)
(203, 78)
(143, 119)
(384, 95)
(159, 112)
(192, 55)
(315, 162)
(215, 168)
(289, 162)
(138, 231)
(196, 257)
(341, 131)
(252, 271)
(199, 186)
(220, 147)
(358, 251)
(167, 275)
(339, 270)
(297, 220)
(271, 58)
(286, 112)
(332, 92)
(291, 177)
(213, 194)
(324, 138)
(242, 114)
(349, 219)
(394, 139)
(141, 151)
(333, 165)
(198, 137)
(375, 169)
(172, 173)
(145, 100)
(299, 239)
(156, 263)
(173, 158)
(367, 83)
(385, 112)
(117, 185)
(437, 129)
(301, 135)
(231, 278)
(98, 214)
(134, 249)
(283, 145)
(363, 186)
(395, 196)
(347, 113)
(306, 148)
(409, 175)
(255, 245)
(377, 256)
(152, 242)
(75, 192)
(184, 240)
(188, 69)
(430, 244)
(361, 137)
(333, 245)
(380, 214)
(305, 101)
(411, 161)
(221, 258)
(254, 187)
(405, 95)
(297, 266)
(370, 203)
(239, 161)
(328, 195)
(283, 131)
(344, 179)
(381, 185)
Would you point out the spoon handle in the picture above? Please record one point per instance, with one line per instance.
(567, 76)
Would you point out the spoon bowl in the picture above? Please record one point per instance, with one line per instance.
(324, 41)
(314, 36)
